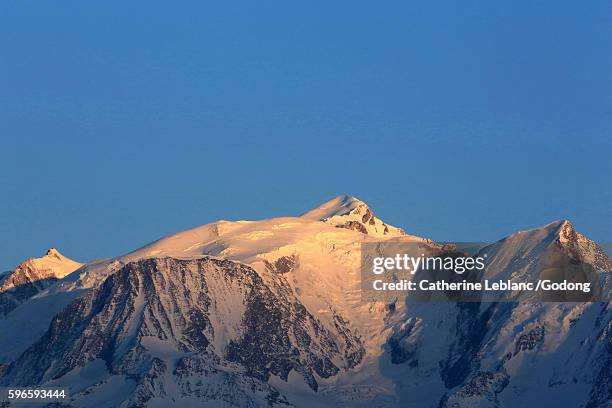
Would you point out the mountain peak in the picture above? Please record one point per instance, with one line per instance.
(350, 212)
(338, 206)
(563, 231)
(566, 232)
(54, 262)
(54, 253)
(33, 276)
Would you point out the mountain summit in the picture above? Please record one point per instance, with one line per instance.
(341, 205)
(33, 276)
(350, 212)
(517, 253)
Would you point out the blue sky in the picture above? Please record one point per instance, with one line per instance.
(122, 122)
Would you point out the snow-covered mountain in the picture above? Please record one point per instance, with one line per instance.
(33, 276)
(532, 244)
(512, 354)
(269, 313)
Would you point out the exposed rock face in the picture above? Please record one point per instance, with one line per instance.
(355, 226)
(581, 248)
(283, 264)
(209, 327)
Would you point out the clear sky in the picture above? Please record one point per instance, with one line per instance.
(121, 122)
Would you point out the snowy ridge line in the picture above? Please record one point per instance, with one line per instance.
(269, 313)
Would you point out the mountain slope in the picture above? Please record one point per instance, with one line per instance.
(155, 321)
(510, 354)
